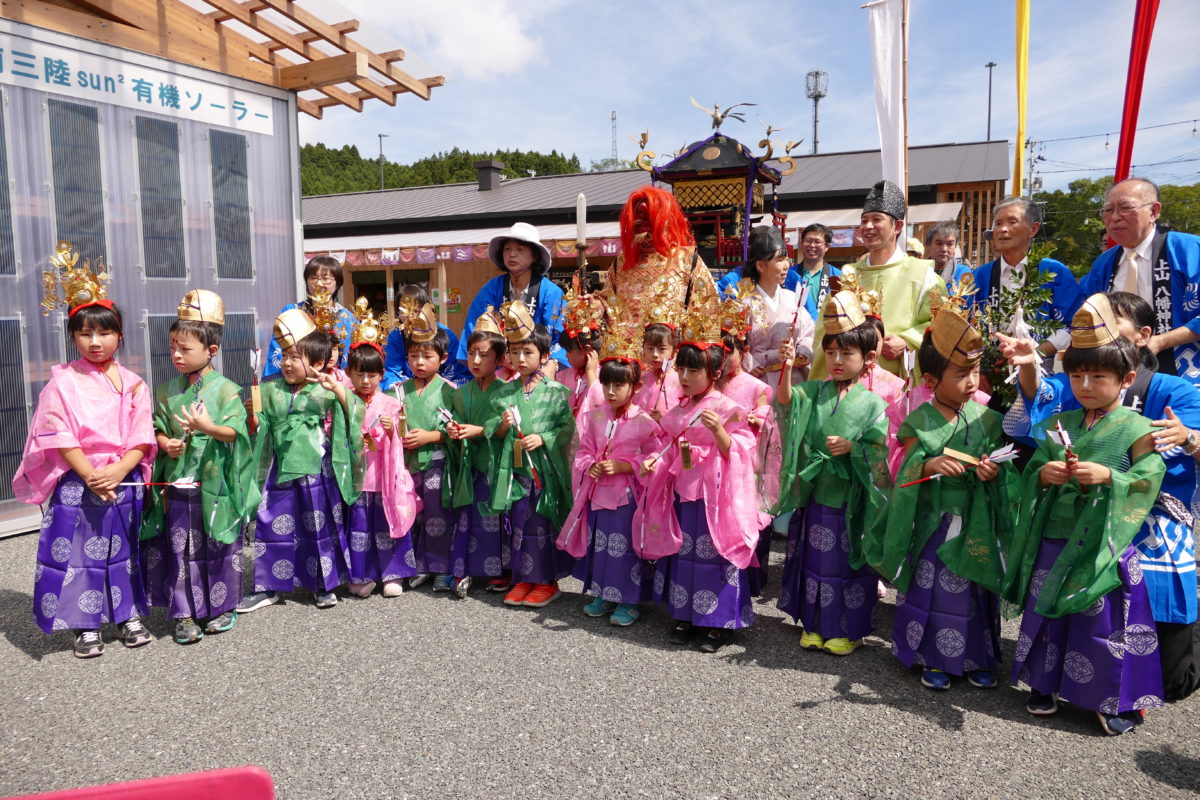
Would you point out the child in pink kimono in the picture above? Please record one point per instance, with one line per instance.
(381, 517)
(660, 385)
(776, 314)
(90, 448)
(582, 348)
(699, 518)
(614, 439)
(755, 397)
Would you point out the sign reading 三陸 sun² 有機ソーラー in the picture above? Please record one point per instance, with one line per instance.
(84, 76)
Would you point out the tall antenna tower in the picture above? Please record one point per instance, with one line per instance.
(816, 86)
(614, 134)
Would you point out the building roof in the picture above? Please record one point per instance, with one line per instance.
(820, 178)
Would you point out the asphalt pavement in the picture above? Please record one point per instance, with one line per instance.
(427, 696)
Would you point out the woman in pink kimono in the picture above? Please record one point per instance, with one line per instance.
(776, 314)
(90, 448)
(380, 519)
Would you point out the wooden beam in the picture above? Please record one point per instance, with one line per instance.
(299, 44)
(137, 14)
(309, 107)
(176, 42)
(392, 55)
(302, 17)
(349, 26)
(324, 72)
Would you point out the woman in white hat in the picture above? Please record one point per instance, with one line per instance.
(524, 262)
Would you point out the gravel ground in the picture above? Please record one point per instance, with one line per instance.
(428, 696)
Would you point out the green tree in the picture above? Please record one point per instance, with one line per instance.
(609, 165)
(326, 170)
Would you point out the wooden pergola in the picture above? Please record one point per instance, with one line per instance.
(275, 42)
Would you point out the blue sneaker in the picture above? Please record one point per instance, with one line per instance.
(1115, 725)
(256, 601)
(625, 615)
(982, 679)
(1041, 705)
(935, 679)
(442, 583)
(598, 607)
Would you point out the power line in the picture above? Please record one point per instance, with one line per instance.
(1116, 133)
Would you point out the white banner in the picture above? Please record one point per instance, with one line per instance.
(884, 20)
(84, 76)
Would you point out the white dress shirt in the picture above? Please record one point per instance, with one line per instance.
(1145, 270)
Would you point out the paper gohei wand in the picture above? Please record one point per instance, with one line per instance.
(1006, 453)
(518, 451)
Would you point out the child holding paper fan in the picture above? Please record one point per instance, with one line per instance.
(533, 479)
(834, 468)
(425, 395)
(699, 518)
(379, 522)
(1087, 633)
(192, 551)
(944, 541)
(614, 440)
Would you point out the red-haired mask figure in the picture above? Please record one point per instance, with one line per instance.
(658, 261)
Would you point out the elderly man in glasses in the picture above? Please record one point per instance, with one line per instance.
(1158, 265)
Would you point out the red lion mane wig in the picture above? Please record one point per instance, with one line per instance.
(668, 227)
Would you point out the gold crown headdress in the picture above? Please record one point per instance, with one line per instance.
(702, 318)
(842, 313)
(80, 285)
(660, 308)
(622, 342)
(581, 313)
(421, 325)
(291, 326)
(367, 329)
(517, 321)
(201, 305)
(323, 311)
(871, 301)
(735, 311)
(490, 322)
(1094, 324)
(954, 324)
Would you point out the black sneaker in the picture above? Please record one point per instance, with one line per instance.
(681, 633)
(133, 633)
(1041, 705)
(187, 631)
(715, 639)
(1115, 725)
(88, 644)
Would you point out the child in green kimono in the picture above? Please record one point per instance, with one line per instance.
(944, 539)
(1088, 633)
(834, 468)
(312, 472)
(533, 471)
(427, 395)
(192, 559)
(482, 546)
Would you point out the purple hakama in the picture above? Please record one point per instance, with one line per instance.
(697, 584)
(535, 555)
(300, 537)
(433, 532)
(1104, 658)
(186, 571)
(945, 621)
(482, 545)
(610, 569)
(819, 589)
(374, 554)
(87, 571)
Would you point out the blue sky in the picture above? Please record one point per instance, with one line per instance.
(546, 74)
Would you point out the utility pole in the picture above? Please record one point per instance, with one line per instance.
(382, 136)
(816, 86)
(990, 66)
(1029, 145)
